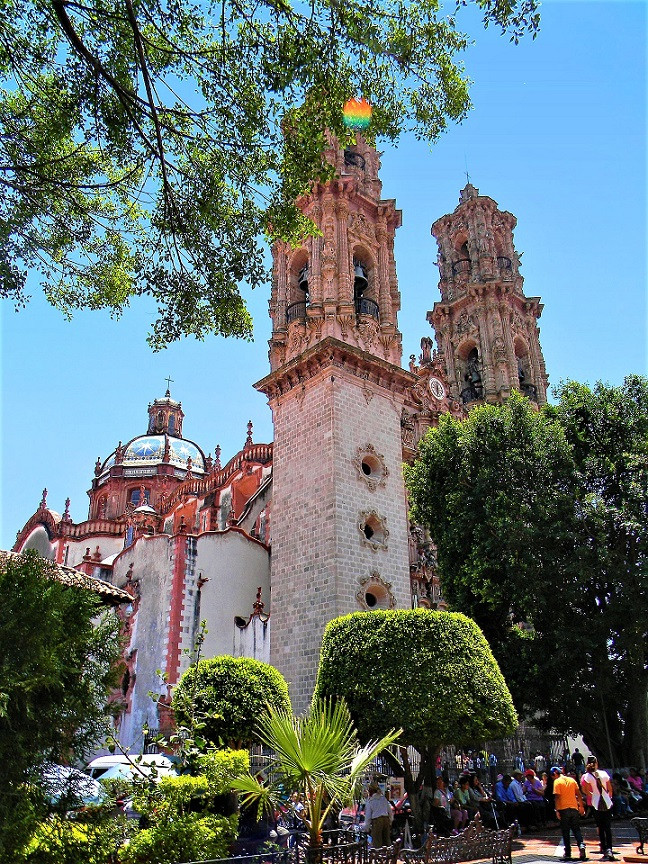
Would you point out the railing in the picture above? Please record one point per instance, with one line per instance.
(261, 453)
(295, 311)
(365, 306)
(332, 851)
(530, 391)
(91, 527)
(471, 394)
(461, 266)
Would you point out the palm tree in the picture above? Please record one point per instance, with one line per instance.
(318, 755)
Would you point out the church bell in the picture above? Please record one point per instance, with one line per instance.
(360, 279)
(303, 279)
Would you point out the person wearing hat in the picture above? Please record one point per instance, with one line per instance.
(534, 792)
(378, 817)
(597, 788)
(569, 809)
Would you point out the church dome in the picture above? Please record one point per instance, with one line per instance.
(149, 450)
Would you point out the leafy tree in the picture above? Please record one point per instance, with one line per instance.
(318, 755)
(56, 669)
(147, 145)
(607, 429)
(221, 698)
(539, 522)
(430, 672)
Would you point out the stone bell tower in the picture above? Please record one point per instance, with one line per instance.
(485, 327)
(336, 389)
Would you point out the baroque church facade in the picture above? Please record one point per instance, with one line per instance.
(190, 538)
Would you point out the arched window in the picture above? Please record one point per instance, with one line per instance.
(363, 290)
(472, 387)
(134, 497)
(524, 383)
(298, 287)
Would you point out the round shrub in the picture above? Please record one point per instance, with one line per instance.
(227, 695)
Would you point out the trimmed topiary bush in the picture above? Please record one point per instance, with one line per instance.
(431, 673)
(226, 695)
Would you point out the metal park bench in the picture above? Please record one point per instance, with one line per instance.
(475, 843)
(640, 824)
(385, 854)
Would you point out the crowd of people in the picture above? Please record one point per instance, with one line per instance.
(562, 793)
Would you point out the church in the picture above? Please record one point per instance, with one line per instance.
(274, 543)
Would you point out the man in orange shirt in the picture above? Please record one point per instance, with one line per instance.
(569, 809)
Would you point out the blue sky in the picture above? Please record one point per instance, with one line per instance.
(557, 136)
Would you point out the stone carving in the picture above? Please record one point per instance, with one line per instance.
(407, 428)
(367, 332)
(499, 350)
(465, 324)
(361, 227)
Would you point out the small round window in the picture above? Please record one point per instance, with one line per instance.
(373, 529)
(375, 593)
(370, 466)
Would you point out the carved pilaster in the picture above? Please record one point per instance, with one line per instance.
(345, 285)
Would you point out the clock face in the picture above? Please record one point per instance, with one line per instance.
(436, 388)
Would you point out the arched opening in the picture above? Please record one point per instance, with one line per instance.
(134, 497)
(472, 387)
(298, 287)
(363, 288)
(377, 597)
(461, 263)
(373, 530)
(524, 377)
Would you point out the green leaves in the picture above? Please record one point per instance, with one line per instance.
(539, 521)
(455, 692)
(317, 755)
(146, 148)
(56, 670)
(226, 695)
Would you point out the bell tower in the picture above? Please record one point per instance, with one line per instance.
(486, 329)
(336, 389)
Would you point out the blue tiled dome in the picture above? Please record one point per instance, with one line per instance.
(149, 450)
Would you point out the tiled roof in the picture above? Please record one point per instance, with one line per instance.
(68, 576)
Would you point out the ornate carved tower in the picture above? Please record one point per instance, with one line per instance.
(336, 389)
(485, 327)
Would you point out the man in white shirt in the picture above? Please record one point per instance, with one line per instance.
(597, 788)
(378, 817)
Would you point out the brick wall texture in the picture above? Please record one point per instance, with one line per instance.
(318, 557)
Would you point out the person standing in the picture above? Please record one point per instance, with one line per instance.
(569, 809)
(597, 787)
(378, 817)
(519, 762)
(578, 762)
(492, 768)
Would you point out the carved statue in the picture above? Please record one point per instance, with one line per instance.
(426, 349)
(472, 377)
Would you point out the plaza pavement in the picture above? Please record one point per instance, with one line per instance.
(545, 845)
